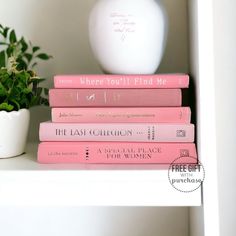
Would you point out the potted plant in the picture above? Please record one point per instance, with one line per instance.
(19, 90)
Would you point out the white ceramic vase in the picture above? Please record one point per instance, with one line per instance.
(14, 127)
(128, 36)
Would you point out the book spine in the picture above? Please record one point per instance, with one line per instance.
(115, 97)
(122, 81)
(123, 153)
(122, 115)
(116, 132)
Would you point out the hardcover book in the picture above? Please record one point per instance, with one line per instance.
(126, 153)
(122, 81)
(122, 115)
(115, 97)
(123, 132)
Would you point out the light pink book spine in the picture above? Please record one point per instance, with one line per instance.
(115, 97)
(116, 153)
(124, 132)
(122, 81)
(122, 115)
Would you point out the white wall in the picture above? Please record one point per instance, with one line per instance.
(60, 28)
(225, 72)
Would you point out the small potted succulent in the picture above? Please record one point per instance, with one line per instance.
(19, 90)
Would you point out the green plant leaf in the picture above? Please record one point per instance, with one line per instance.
(35, 49)
(22, 79)
(16, 103)
(25, 102)
(12, 37)
(6, 80)
(2, 59)
(9, 51)
(4, 76)
(15, 93)
(43, 56)
(24, 45)
(5, 32)
(2, 43)
(22, 64)
(6, 107)
(26, 90)
(3, 91)
(28, 56)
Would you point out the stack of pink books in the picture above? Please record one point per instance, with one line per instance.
(117, 119)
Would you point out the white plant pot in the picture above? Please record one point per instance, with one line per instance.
(128, 36)
(14, 127)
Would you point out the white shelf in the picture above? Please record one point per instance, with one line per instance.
(25, 182)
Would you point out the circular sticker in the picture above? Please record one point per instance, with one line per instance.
(186, 174)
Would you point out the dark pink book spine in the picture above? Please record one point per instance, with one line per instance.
(115, 97)
(111, 153)
(122, 81)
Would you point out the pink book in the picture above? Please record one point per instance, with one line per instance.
(122, 115)
(122, 132)
(122, 81)
(115, 97)
(123, 153)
